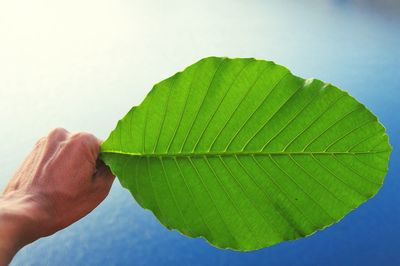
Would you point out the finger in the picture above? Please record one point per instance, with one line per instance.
(76, 157)
(58, 134)
(89, 143)
(52, 142)
(103, 178)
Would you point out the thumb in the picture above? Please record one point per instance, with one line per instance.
(103, 177)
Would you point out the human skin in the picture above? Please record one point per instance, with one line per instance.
(59, 182)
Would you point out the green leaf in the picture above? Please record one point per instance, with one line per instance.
(246, 154)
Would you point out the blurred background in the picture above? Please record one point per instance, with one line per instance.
(82, 65)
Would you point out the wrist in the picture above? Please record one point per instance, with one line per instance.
(10, 237)
(19, 221)
(11, 231)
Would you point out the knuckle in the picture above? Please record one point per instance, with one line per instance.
(57, 133)
(40, 141)
(83, 138)
(76, 139)
(58, 130)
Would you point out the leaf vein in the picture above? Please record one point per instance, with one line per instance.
(213, 201)
(237, 106)
(201, 104)
(219, 105)
(192, 196)
(238, 212)
(332, 125)
(313, 121)
(284, 193)
(292, 119)
(255, 110)
(248, 198)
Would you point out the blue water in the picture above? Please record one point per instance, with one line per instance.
(83, 64)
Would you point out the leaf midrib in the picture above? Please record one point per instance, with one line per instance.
(241, 153)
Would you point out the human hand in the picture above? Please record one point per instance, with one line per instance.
(59, 182)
